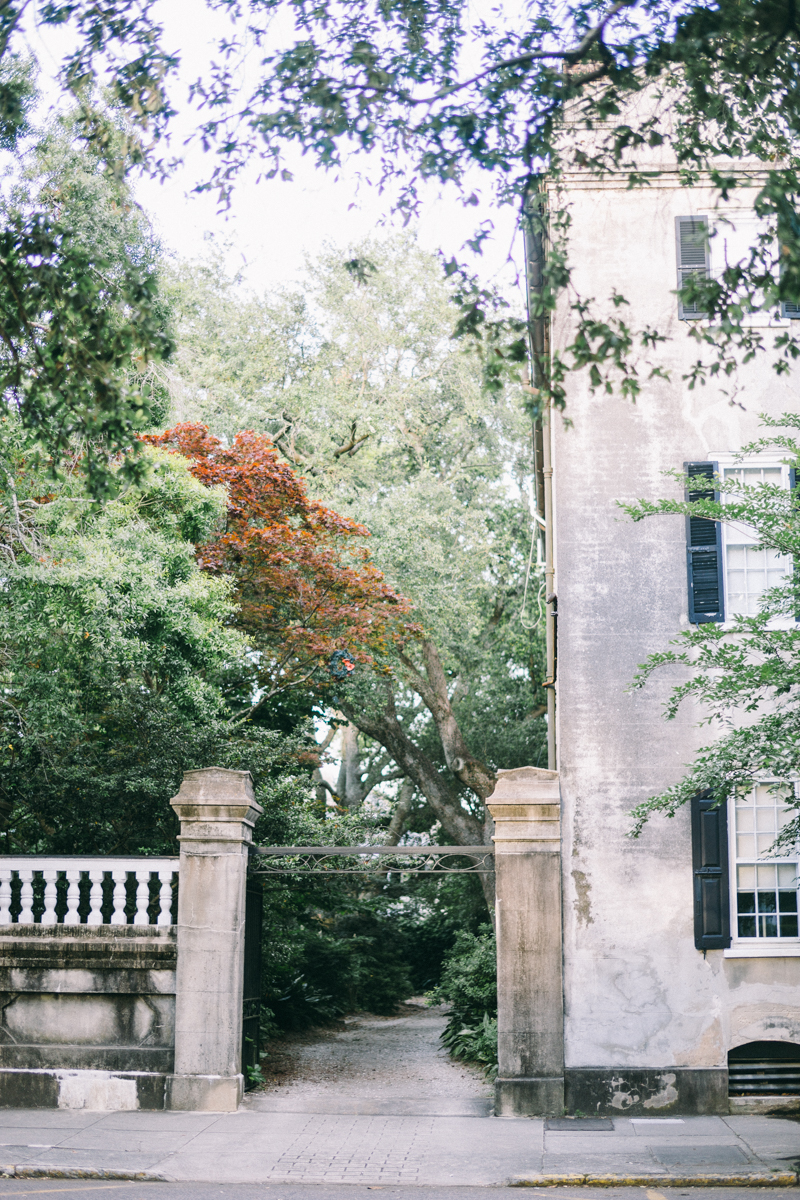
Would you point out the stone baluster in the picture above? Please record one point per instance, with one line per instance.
(96, 897)
(142, 897)
(165, 897)
(73, 896)
(120, 897)
(5, 895)
(26, 896)
(50, 896)
(217, 810)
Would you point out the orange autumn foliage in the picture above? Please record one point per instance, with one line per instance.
(304, 581)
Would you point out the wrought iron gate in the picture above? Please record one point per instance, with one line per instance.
(327, 860)
(251, 1006)
(403, 860)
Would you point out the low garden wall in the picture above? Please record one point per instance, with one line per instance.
(120, 989)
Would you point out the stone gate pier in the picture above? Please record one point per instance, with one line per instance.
(530, 1001)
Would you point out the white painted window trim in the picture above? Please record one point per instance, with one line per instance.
(728, 458)
(742, 950)
(753, 947)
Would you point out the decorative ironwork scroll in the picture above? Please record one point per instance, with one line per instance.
(382, 860)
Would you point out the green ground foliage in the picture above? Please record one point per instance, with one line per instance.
(469, 985)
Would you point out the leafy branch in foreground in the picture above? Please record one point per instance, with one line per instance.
(432, 93)
(744, 673)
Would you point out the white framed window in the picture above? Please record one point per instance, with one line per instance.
(764, 888)
(708, 244)
(747, 571)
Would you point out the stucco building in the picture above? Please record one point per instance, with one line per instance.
(670, 975)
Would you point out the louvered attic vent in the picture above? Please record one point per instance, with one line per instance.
(764, 1069)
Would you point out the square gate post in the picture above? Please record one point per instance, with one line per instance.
(217, 810)
(530, 1003)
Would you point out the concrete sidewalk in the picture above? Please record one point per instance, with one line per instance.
(253, 1146)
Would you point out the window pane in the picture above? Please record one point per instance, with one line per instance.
(789, 926)
(745, 846)
(747, 927)
(767, 877)
(745, 820)
(747, 902)
(768, 926)
(746, 879)
(765, 819)
(764, 842)
(787, 902)
(767, 902)
(787, 875)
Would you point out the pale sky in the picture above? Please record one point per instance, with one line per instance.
(272, 225)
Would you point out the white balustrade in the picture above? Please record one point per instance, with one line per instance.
(124, 875)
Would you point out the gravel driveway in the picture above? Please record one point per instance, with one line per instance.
(378, 1065)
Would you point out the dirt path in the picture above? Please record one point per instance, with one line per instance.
(377, 1065)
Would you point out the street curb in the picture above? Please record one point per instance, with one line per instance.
(777, 1179)
(24, 1172)
(771, 1179)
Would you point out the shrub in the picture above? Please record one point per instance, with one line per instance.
(469, 986)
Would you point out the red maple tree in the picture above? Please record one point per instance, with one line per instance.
(309, 598)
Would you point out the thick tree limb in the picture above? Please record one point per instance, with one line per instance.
(443, 798)
(405, 803)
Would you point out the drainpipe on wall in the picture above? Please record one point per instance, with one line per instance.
(539, 341)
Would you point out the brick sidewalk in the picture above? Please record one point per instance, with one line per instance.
(275, 1147)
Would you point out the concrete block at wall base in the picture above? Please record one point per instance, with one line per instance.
(204, 1093)
(97, 1091)
(760, 1105)
(529, 1097)
(618, 1090)
(120, 1060)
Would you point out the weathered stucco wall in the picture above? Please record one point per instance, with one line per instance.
(96, 997)
(637, 993)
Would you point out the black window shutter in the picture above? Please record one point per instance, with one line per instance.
(712, 910)
(704, 550)
(691, 236)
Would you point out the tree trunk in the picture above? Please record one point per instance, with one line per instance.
(462, 828)
(402, 811)
(348, 784)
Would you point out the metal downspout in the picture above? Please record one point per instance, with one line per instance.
(539, 338)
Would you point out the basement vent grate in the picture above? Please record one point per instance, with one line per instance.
(764, 1069)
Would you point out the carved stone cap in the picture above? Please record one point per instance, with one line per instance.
(213, 795)
(526, 785)
(215, 785)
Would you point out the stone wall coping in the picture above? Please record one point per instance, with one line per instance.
(90, 933)
(70, 951)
